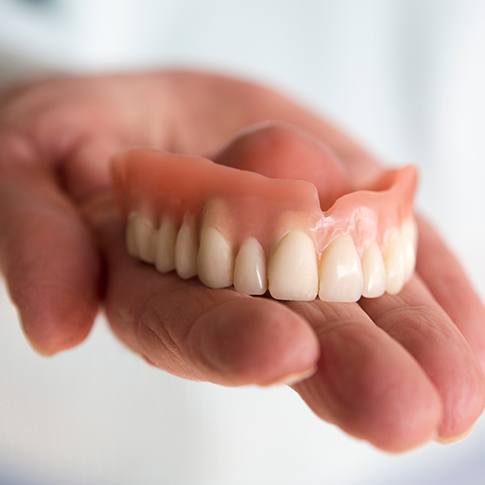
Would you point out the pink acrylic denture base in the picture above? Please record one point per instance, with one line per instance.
(242, 204)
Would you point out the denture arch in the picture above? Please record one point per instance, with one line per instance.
(233, 227)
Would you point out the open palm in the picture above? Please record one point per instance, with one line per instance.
(397, 370)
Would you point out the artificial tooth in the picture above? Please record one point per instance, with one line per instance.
(186, 249)
(409, 242)
(374, 272)
(394, 262)
(165, 245)
(250, 268)
(130, 235)
(293, 268)
(215, 260)
(144, 235)
(341, 278)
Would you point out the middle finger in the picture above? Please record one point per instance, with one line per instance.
(366, 383)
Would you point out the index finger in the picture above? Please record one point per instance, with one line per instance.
(46, 253)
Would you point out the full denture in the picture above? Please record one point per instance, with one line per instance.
(236, 227)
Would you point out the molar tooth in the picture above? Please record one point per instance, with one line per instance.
(165, 245)
(250, 268)
(374, 272)
(130, 235)
(293, 268)
(394, 262)
(341, 278)
(144, 236)
(186, 249)
(409, 241)
(215, 260)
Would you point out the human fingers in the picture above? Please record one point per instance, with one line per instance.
(448, 283)
(366, 383)
(46, 252)
(417, 322)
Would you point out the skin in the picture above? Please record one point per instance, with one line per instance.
(396, 371)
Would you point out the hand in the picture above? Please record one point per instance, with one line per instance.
(396, 371)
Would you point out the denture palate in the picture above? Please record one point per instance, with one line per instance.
(232, 227)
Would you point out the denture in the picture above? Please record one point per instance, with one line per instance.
(235, 227)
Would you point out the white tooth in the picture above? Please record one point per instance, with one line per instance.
(374, 272)
(144, 234)
(341, 278)
(165, 245)
(250, 268)
(293, 268)
(186, 249)
(409, 242)
(215, 260)
(130, 235)
(394, 262)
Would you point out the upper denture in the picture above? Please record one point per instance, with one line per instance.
(234, 226)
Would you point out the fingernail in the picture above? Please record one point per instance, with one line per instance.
(45, 347)
(448, 440)
(50, 330)
(294, 378)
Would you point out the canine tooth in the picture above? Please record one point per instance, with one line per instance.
(130, 235)
(293, 268)
(341, 278)
(144, 234)
(374, 272)
(250, 268)
(186, 249)
(409, 241)
(394, 262)
(165, 245)
(215, 260)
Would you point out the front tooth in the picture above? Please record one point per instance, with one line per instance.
(165, 245)
(250, 268)
(130, 235)
(409, 241)
(186, 249)
(374, 272)
(215, 260)
(144, 236)
(293, 268)
(394, 262)
(341, 278)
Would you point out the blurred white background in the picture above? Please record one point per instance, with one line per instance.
(406, 76)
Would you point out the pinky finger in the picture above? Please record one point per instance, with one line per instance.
(446, 279)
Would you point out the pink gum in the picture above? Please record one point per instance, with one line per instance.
(242, 204)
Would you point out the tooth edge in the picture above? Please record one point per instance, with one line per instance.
(373, 272)
(332, 283)
(293, 285)
(250, 252)
(394, 263)
(215, 260)
(165, 245)
(186, 250)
